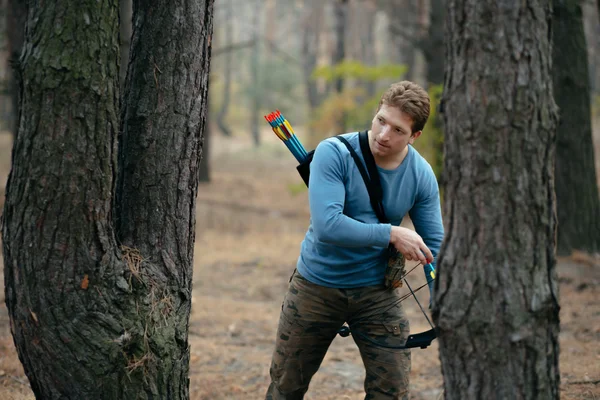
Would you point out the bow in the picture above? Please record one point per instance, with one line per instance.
(421, 340)
(284, 131)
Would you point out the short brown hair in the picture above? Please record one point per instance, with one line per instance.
(409, 98)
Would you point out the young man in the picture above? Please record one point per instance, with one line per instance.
(340, 272)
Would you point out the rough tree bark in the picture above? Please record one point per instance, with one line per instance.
(578, 204)
(98, 312)
(496, 302)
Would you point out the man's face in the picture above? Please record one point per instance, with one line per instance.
(391, 132)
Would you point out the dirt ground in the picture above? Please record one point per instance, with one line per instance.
(250, 221)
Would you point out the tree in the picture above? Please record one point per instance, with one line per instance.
(98, 242)
(433, 43)
(340, 11)
(578, 204)
(227, 72)
(312, 21)
(496, 303)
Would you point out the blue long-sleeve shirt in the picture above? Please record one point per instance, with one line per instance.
(345, 245)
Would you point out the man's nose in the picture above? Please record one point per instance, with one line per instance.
(385, 130)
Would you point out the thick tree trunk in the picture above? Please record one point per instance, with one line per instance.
(578, 204)
(96, 316)
(496, 302)
(159, 153)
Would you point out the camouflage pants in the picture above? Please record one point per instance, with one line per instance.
(310, 318)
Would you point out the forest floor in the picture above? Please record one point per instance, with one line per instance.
(251, 219)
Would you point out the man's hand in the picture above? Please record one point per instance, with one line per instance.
(394, 273)
(410, 245)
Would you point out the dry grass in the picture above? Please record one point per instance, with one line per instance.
(251, 220)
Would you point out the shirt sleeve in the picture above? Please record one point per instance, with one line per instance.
(326, 196)
(426, 214)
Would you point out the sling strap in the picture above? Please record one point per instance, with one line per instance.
(370, 175)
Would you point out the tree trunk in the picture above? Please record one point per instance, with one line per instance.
(433, 43)
(340, 16)
(99, 314)
(402, 29)
(578, 204)
(339, 53)
(496, 302)
(368, 54)
(16, 18)
(311, 36)
(227, 71)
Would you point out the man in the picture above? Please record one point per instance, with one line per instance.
(339, 276)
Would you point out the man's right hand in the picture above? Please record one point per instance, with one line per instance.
(410, 244)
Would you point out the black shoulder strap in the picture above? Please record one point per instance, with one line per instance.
(373, 186)
(363, 138)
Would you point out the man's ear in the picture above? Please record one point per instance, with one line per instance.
(415, 136)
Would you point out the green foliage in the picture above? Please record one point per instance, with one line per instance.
(279, 86)
(354, 105)
(296, 188)
(430, 143)
(358, 70)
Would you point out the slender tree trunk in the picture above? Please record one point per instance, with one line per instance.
(311, 35)
(403, 14)
(433, 43)
(227, 71)
(496, 302)
(339, 52)
(99, 314)
(16, 19)
(577, 198)
(368, 54)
